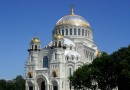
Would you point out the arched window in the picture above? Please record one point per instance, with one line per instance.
(55, 55)
(45, 62)
(59, 44)
(55, 44)
(75, 31)
(82, 32)
(85, 32)
(67, 58)
(78, 31)
(63, 32)
(70, 71)
(70, 47)
(70, 31)
(66, 31)
(36, 47)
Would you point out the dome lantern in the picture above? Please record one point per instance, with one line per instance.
(35, 44)
(35, 40)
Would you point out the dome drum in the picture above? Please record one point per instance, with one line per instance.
(74, 31)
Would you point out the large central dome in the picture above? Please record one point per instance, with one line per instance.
(73, 19)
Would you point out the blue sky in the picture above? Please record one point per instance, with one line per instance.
(20, 20)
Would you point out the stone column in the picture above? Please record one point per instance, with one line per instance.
(26, 87)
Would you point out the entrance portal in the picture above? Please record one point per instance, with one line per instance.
(55, 85)
(30, 87)
(41, 84)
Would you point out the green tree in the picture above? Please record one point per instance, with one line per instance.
(81, 78)
(122, 64)
(10, 85)
(2, 84)
(108, 71)
(19, 83)
(104, 72)
(16, 84)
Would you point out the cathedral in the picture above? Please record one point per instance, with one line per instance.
(72, 45)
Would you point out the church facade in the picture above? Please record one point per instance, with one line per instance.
(72, 46)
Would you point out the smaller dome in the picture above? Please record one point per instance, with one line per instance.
(58, 36)
(35, 40)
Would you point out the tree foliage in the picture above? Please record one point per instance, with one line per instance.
(80, 77)
(105, 77)
(106, 71)
(16, 84)
(122, 63)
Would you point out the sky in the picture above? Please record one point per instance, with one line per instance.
(20, 20)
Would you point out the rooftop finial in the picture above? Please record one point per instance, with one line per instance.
(72, 9)
(35, 35)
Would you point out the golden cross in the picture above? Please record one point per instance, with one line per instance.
(72, 9)
(72, 5)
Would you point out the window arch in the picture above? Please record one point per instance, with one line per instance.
(82, 32)
(36, 47)
(78, 66)
(45, 62)
(70, 47)
(55, 44)
(70, 70)
(75, 31)
(78, 31)
(85, 32)
(55, 55)
(67, 58)
(70, 31)
(59, 32)
(59, 44)
(66, 31)
(63, 32)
